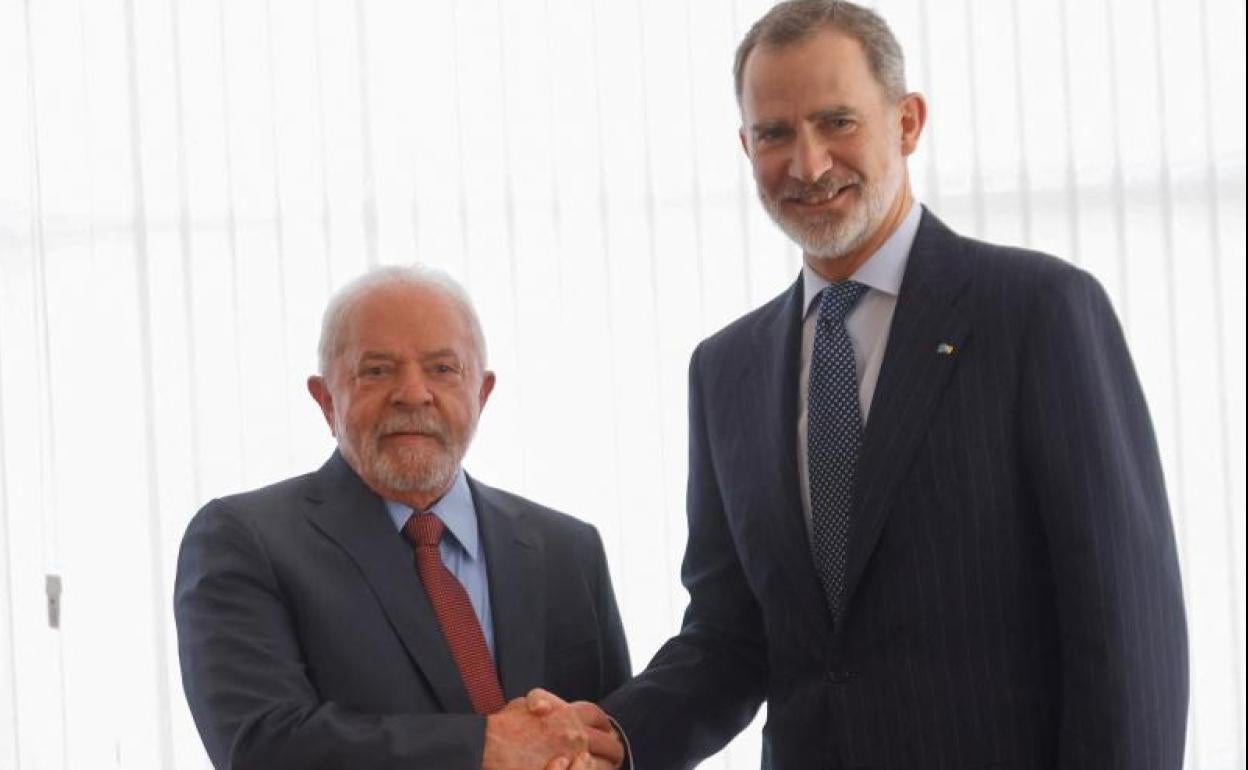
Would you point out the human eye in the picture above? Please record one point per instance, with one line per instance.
(374, 370)
(445, 368)
(838, 123)
(842, 123)
(771, 134)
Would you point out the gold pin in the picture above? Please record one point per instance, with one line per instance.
(944, 349)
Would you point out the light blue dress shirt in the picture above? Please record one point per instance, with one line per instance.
(460, 547)
(867, 325)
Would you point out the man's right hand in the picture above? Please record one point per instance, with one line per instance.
(585, 761)
(606, 749)
(518, 739)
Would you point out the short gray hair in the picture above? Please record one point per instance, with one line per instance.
(346, 298)
(793, 21)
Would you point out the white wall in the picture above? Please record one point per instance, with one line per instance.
(182, 182)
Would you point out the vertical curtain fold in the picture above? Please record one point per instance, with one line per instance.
(184, 182)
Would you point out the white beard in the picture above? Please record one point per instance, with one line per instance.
(412, 469)
(426, 470)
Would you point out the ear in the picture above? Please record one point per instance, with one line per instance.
(487, 387)
(323, 398)
(912, 113)
(745, 143)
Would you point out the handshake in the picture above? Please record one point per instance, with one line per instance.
(542, 732)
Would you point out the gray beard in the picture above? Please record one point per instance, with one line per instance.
(824, 240)
(407, 470)
(413, 470)
(829, 237)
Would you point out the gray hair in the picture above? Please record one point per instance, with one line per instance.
(345, 299)
(793, 21)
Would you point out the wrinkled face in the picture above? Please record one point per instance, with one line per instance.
(827, 146)
(403, 394)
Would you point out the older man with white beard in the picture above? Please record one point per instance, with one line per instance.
(378, 613)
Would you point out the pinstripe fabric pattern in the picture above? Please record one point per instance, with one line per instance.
(1012, 590)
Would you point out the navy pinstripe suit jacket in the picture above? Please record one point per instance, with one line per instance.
(1013, 593)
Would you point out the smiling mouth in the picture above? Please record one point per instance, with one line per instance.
(821, 198)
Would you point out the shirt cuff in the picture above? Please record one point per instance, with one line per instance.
(627, 764)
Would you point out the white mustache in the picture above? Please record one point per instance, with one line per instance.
(414, 422)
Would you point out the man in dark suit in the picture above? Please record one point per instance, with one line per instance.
(927, 520)
(376, 614)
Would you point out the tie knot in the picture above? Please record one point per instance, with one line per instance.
(424, 529)
(837, 299)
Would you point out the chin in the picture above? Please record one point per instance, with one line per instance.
(825, 238)
(826, 247)
(409, 470)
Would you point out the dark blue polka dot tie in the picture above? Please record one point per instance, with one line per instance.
(834, 434)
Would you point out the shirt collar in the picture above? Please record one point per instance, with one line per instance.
(456, 511)
(882, 271)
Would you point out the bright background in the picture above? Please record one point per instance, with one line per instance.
(183, 182)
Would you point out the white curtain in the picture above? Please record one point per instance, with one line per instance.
(183, 182)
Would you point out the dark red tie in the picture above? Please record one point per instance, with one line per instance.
(455, 615)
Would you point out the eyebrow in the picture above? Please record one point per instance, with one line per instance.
(440, 353)
(828, 113)
(766, 125)
(377, 354)
(432, 355)
(831, 113)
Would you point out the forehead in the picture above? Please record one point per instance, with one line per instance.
(827, 69)
(405, 319)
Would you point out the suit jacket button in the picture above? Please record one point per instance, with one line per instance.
(840, 677)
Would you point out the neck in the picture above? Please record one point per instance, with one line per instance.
(837, 270)
(419, 501)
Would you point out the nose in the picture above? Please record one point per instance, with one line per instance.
(811, 159)
(411, 388)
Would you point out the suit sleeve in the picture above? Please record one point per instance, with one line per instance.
(617, 667)
(704, 685)
(245, 679)
(1093, 464)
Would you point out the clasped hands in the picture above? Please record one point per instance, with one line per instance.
(542, 732)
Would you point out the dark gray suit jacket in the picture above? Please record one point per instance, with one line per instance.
(306, 639)
(1013, 596)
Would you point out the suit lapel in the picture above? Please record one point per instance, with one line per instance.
(912, 378)
(354, 517)
(514, 557)
(778, 348)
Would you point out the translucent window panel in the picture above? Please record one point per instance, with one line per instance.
(183, 183)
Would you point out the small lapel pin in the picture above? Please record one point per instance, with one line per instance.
(944, 349)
